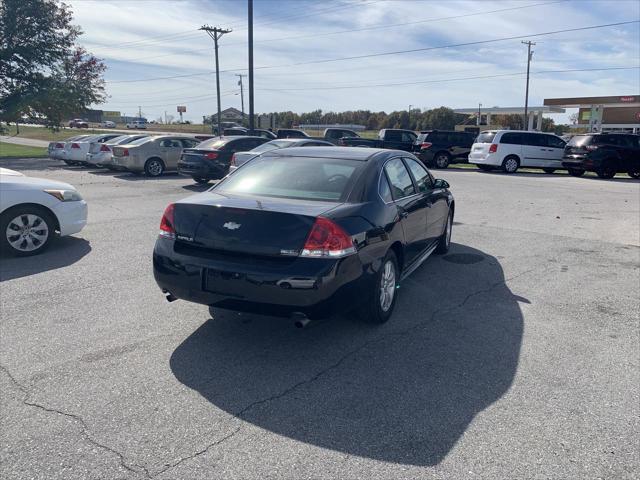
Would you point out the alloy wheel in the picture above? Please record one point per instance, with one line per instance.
(442, 161)
(510, 165)
(154, 168)
(27, 232)
(387, 286)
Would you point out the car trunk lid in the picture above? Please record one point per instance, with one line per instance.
(250, 225)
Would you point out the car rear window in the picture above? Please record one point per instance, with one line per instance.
(273, 145)
(214, 143)
(580, 140)
(140, 141)
(293, 177)
(486, 137)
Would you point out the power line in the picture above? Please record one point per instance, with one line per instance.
(398, 52)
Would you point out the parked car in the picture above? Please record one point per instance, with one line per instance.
(108, 124)
(242, 157)
(603, 153)
(137, 124)
(306, 231)
(78, 123)
(291, 133)
(76, 150)
(512, 149)
(56, 149)
(33, 210)
(211, 159)
(439, 148)
(334, 134)
(395, 139)
(100, 154)
(151, 155)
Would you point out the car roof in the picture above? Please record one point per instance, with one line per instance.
(361, 154)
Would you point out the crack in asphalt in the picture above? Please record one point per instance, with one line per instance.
(397, 333)
(84, 429)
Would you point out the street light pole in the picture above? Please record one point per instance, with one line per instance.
(241, 93)
(250, 22)
(526, 95)
(215, 33)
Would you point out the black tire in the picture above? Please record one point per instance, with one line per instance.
(510, 164)
(575, 172)
(441, 160)
(606, 172)
(22, 215)
(445, 239)
(69, 162)
(372, 310)
(200, 181)
(634, 173)
(154, 167)
(485, 168)
(549, 170)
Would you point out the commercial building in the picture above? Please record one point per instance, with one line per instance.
(603, 114)
(482, 116)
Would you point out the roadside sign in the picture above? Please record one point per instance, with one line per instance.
(182, 108)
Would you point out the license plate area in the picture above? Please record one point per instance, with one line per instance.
(224, 282)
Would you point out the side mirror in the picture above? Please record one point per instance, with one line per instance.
(439, 183)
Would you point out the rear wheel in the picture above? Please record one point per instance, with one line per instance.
(445, 239)
(26, 230)
(154, 167)
(381, 298)
(441, 160)
(549, 170)
(200, 181)
(510, 164)
(634, 173)
(606, 172)
(575, 172)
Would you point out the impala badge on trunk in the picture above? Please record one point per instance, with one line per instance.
(231, 225)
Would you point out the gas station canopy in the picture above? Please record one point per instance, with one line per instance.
(597, 114)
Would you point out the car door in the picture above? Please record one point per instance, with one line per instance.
(170, 150)
(555, 151)
(534, 148)
(436, 205)
(411, 207)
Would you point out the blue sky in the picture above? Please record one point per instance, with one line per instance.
(149, 39)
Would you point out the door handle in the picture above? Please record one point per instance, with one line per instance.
(403, 213)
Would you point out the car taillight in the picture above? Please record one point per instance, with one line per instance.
(211, 155)
(327, 239)
(233, 159)
(167, 229)
(425, 145)
(59, 145)
(104, 148)
(493, 148)
(125, 152)
(75, 145)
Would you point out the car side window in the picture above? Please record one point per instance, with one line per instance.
(186, 143)
(168, 143)
(555, 142)
(420, 174)
(401, 184)
(511, 138)
(392, 136)
(407, 137)
(384, 190)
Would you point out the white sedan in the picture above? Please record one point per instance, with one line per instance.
(32, 210)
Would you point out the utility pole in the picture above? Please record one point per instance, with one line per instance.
(250, 24)
(479, 115)
(215, 33)
(139, 112)
(526, 95)
(410, 116)
(241, 92)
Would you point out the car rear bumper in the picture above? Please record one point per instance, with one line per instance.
(72, 216)
(578, 162)
(316, 287)
(484, 159)
(127, 163)
(207, 170)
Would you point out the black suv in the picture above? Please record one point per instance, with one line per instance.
(603, 153)
(439, 148)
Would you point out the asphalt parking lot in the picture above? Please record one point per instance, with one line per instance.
(514, 356)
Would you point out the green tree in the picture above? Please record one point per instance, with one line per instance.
(44, 73)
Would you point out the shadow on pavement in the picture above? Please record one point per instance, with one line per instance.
(404, 392)
(62, 252)
(134, 177)
(20, 164)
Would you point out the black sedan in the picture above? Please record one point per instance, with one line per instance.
(306, 232)
(211, 158)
